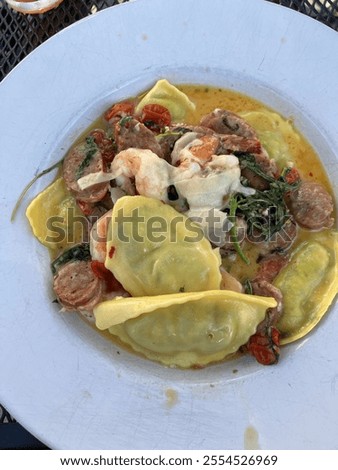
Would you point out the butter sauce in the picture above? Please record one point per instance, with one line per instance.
(302, 155)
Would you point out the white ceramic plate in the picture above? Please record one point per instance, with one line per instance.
(63, 381)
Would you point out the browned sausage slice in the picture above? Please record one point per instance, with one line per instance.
(270, 265)
(311, 206)
(227, 143)
(81, 160)
(77, 287)
(266, 165)
(226, 122)
(130, 133)
(237, 143)
(265, 289)
(264, 344)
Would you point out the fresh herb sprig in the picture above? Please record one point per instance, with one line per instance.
(30, 184)
(233, 231)
(91, 149)
(247, 160)
(75, 253)
(124, 120)
(248, 289)
(168, 134)
(266, 211)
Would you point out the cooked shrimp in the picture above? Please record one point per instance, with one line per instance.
(194, 147)
(143, 172)
(98, 237)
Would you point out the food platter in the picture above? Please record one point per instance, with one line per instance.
(65, 383)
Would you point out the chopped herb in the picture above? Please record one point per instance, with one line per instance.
(182, 289)
(265, 211)
(152, 125)
(233, 230)
(75, 253)
(248, 287)
(123, 121)
(89, 154)
(168, 134)
(247, 160)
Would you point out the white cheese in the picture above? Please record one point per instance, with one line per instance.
(202, 187)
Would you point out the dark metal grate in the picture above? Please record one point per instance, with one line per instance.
(20, 34)
(5, 417)
(325, 11)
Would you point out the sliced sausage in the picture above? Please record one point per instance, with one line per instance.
(81, 160)
(130, 133)
(227, 143)
(174, 133)
(270, 266)
(226, 122)
(77, 287)
(264, 345)
(255, 181)
(236, 143)
(93, 211)
(167, 143)
(311, 206)
(266, 289)
(265, 164)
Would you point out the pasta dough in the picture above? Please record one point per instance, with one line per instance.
(152, 249)
(167, 95)
(309, 284)
(184, 330)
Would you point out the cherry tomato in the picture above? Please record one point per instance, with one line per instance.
(155, 116)
(105, 145)
(265, 346)
(85, 207)
(119, 110)
(292, 176)
(102, 272)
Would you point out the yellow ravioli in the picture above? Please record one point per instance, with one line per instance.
(152, 249)
(274, 133)
(309, 284)
(184, 330)
(167, 95)
(55, 217)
